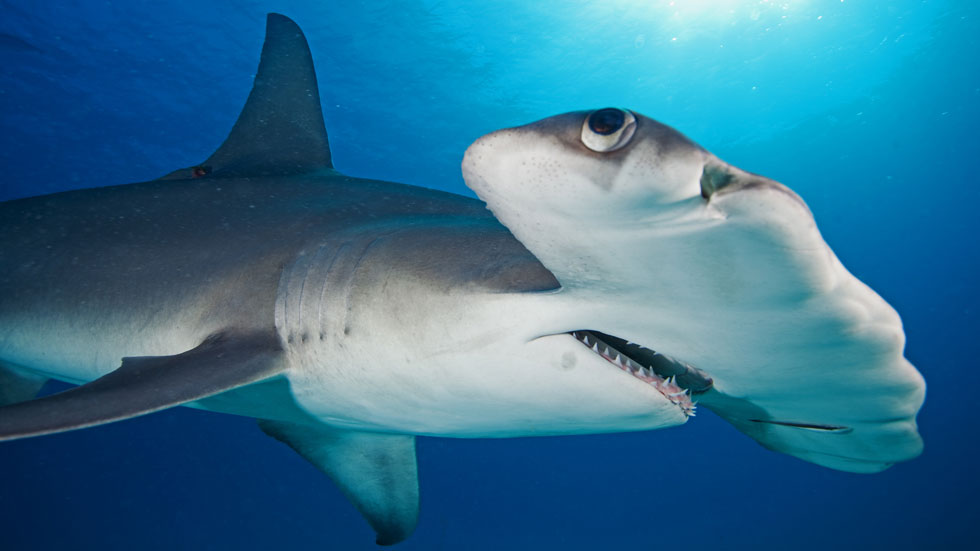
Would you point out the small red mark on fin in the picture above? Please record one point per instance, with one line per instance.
(200, 171)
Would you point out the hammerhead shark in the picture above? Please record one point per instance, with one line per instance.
(622, 276)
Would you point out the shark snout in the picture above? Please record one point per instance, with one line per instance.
(472, 160)
(483, 148)
(472, 157)
(483, 159)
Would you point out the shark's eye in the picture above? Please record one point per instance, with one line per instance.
(608, 129)
(606, 121)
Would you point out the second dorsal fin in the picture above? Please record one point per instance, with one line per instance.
(280, 130)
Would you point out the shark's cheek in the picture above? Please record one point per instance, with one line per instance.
(776, 215)
(766, 250)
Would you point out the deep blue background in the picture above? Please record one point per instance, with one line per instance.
(869, 112)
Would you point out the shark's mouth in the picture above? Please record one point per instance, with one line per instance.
(677, 381)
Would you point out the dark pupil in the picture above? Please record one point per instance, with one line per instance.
(606, 121)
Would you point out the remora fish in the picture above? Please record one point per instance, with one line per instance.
(350, 315)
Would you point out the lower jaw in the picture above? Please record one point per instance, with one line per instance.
(676, 381)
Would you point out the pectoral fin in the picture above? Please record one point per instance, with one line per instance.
(377, 472)
(146, 384)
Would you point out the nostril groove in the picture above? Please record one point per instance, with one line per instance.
(713, 178)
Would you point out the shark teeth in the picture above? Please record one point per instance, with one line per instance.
(677, 395)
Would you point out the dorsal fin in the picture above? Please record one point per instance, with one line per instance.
(280, 130)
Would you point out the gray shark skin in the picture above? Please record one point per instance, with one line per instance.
(183, 273)
(349, 315)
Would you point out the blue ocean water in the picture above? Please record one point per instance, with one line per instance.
(868, 109)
